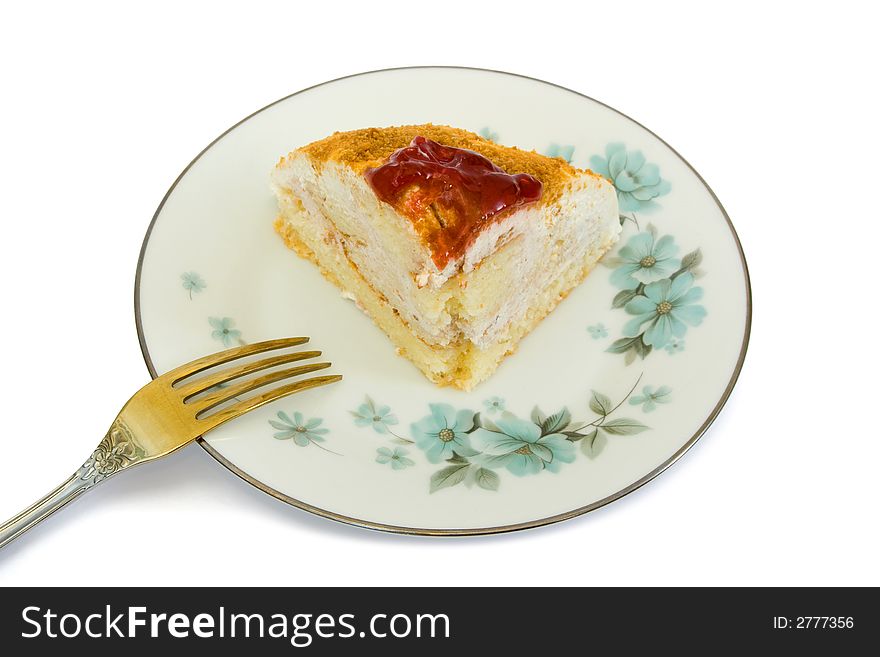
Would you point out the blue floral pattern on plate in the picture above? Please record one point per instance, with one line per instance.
(638, 183)
(650, 397)
(192, 282)
(658, 291)
(369, 415)
(494, 404)
(396, 456)
(224, 331)
(565, 152)
(597, 331)
(473, 448)
(645, 260)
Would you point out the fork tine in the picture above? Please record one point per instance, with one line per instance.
(228, 374)
(206, 362)
(213, 399)
(218, 418)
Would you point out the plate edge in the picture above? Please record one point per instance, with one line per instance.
(479, 531)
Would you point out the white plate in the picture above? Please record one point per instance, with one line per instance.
(212, 271)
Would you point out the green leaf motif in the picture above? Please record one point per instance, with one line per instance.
(593, 444)
(691, 260)
(630, 357)
(556, 422)
(456, 458)
(537, 416)
(623, 297)
(481, 421)
(623, 218)
(573, 436)
(624, 427)
(448, 476)
(622, 345)
(487, 479)
(642, 349)
(600, 404)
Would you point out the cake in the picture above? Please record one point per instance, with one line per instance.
(456, 247)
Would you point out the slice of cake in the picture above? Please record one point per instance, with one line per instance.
(456, 246)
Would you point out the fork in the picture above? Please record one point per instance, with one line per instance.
(169, 412)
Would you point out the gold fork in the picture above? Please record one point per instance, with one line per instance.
(168, 413)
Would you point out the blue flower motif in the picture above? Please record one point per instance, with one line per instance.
(564, 152)
(598, 331)
(224, 332)
(494, 404)
(486, 133)
(443, 432)
(645, 259)
(519, 446)
(192, 282)
(396, 457)
(301, 431)
(379, 418)
(637, 182)
(650, 397)
(666, 308)
(674, 346)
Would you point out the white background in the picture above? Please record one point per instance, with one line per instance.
(772, 102)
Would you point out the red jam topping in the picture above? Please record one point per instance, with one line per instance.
(450, 194)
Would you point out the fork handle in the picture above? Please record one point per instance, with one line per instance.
(117, 451)
(65, 493)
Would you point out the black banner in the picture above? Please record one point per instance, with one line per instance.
(435, 621)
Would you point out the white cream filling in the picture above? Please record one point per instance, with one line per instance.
(477, 296)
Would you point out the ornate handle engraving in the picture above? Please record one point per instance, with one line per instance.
(118, 450)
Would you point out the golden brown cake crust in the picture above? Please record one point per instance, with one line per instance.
(370, 147)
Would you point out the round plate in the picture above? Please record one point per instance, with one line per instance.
(601, 397)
